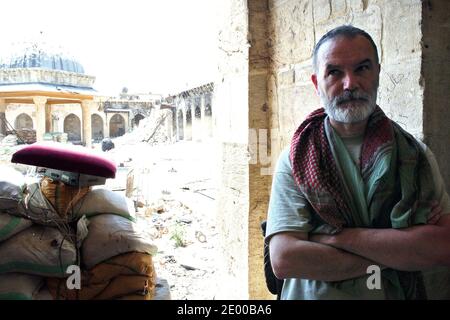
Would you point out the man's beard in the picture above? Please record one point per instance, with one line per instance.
(351, 106)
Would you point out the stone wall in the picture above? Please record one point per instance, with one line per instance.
(259, 137)
(296, 25)
(232, 123)
(436, 81)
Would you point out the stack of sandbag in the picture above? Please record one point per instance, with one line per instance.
(115, 259)
(50, 226)
(29, 252)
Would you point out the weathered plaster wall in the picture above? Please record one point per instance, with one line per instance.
(231, 101)
(436, 81)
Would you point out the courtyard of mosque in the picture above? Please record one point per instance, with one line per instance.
(162, 148)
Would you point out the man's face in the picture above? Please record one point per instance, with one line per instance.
(346, 78)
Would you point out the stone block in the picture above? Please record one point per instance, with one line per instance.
(338, 8)
(303, 72)
(322, 10)
(291, 32)
(356, 5)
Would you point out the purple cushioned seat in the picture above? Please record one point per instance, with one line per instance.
(66, 158)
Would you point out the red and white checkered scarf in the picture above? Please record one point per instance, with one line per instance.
(314, 167)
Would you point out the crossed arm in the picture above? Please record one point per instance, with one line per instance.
(349, 253)
(410, 249)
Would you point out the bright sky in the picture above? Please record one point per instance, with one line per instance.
(158, 46)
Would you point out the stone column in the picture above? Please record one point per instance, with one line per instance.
(183, 111)
(106, 126)
(2, 117)
(203, 134)
(40, 103)
(48, 118)
(194, 126)
(86, 122)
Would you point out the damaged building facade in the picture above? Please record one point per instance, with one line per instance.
(194, 113)
(46, 95)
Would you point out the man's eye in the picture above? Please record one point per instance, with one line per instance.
(333, 72)
(363, 68)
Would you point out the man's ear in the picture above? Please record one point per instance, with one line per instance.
(314, 81)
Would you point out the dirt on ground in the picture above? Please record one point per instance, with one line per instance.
(174, 189)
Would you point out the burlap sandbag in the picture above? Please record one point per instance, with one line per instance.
(99, 201)
(17, 286)
(38, 208)
(62, 197)
(12, 185)
(10, 225)
(37, 250)
(111, 235)
(128, 274)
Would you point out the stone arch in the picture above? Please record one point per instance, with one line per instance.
(23, 121)
(97, 127)
(72, 126)
(208, 120)
(116, 126)
(137, 118)
(180, 125)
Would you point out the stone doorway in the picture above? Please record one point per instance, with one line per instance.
(116, 126)
(72, 126)
(23, 121)
(97, 127)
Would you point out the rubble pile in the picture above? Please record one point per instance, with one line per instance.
(26, 135)
(152, 130)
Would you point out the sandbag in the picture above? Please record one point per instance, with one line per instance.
(111, 235)
(62, 196)
(119, 286)
(10, 225)
(17, 286)
(37, 250)
(12, 184)
(132, 263)
(99, 201)
(38, 208)
(110, 279)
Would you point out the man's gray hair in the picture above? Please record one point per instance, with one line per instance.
(347, 31)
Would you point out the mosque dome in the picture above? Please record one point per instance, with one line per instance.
(40, 54)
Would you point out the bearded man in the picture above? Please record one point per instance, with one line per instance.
(355, 194)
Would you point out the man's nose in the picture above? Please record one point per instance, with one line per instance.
(350, 82)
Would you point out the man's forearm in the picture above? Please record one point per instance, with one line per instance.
(294, 258)
(410, 249)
